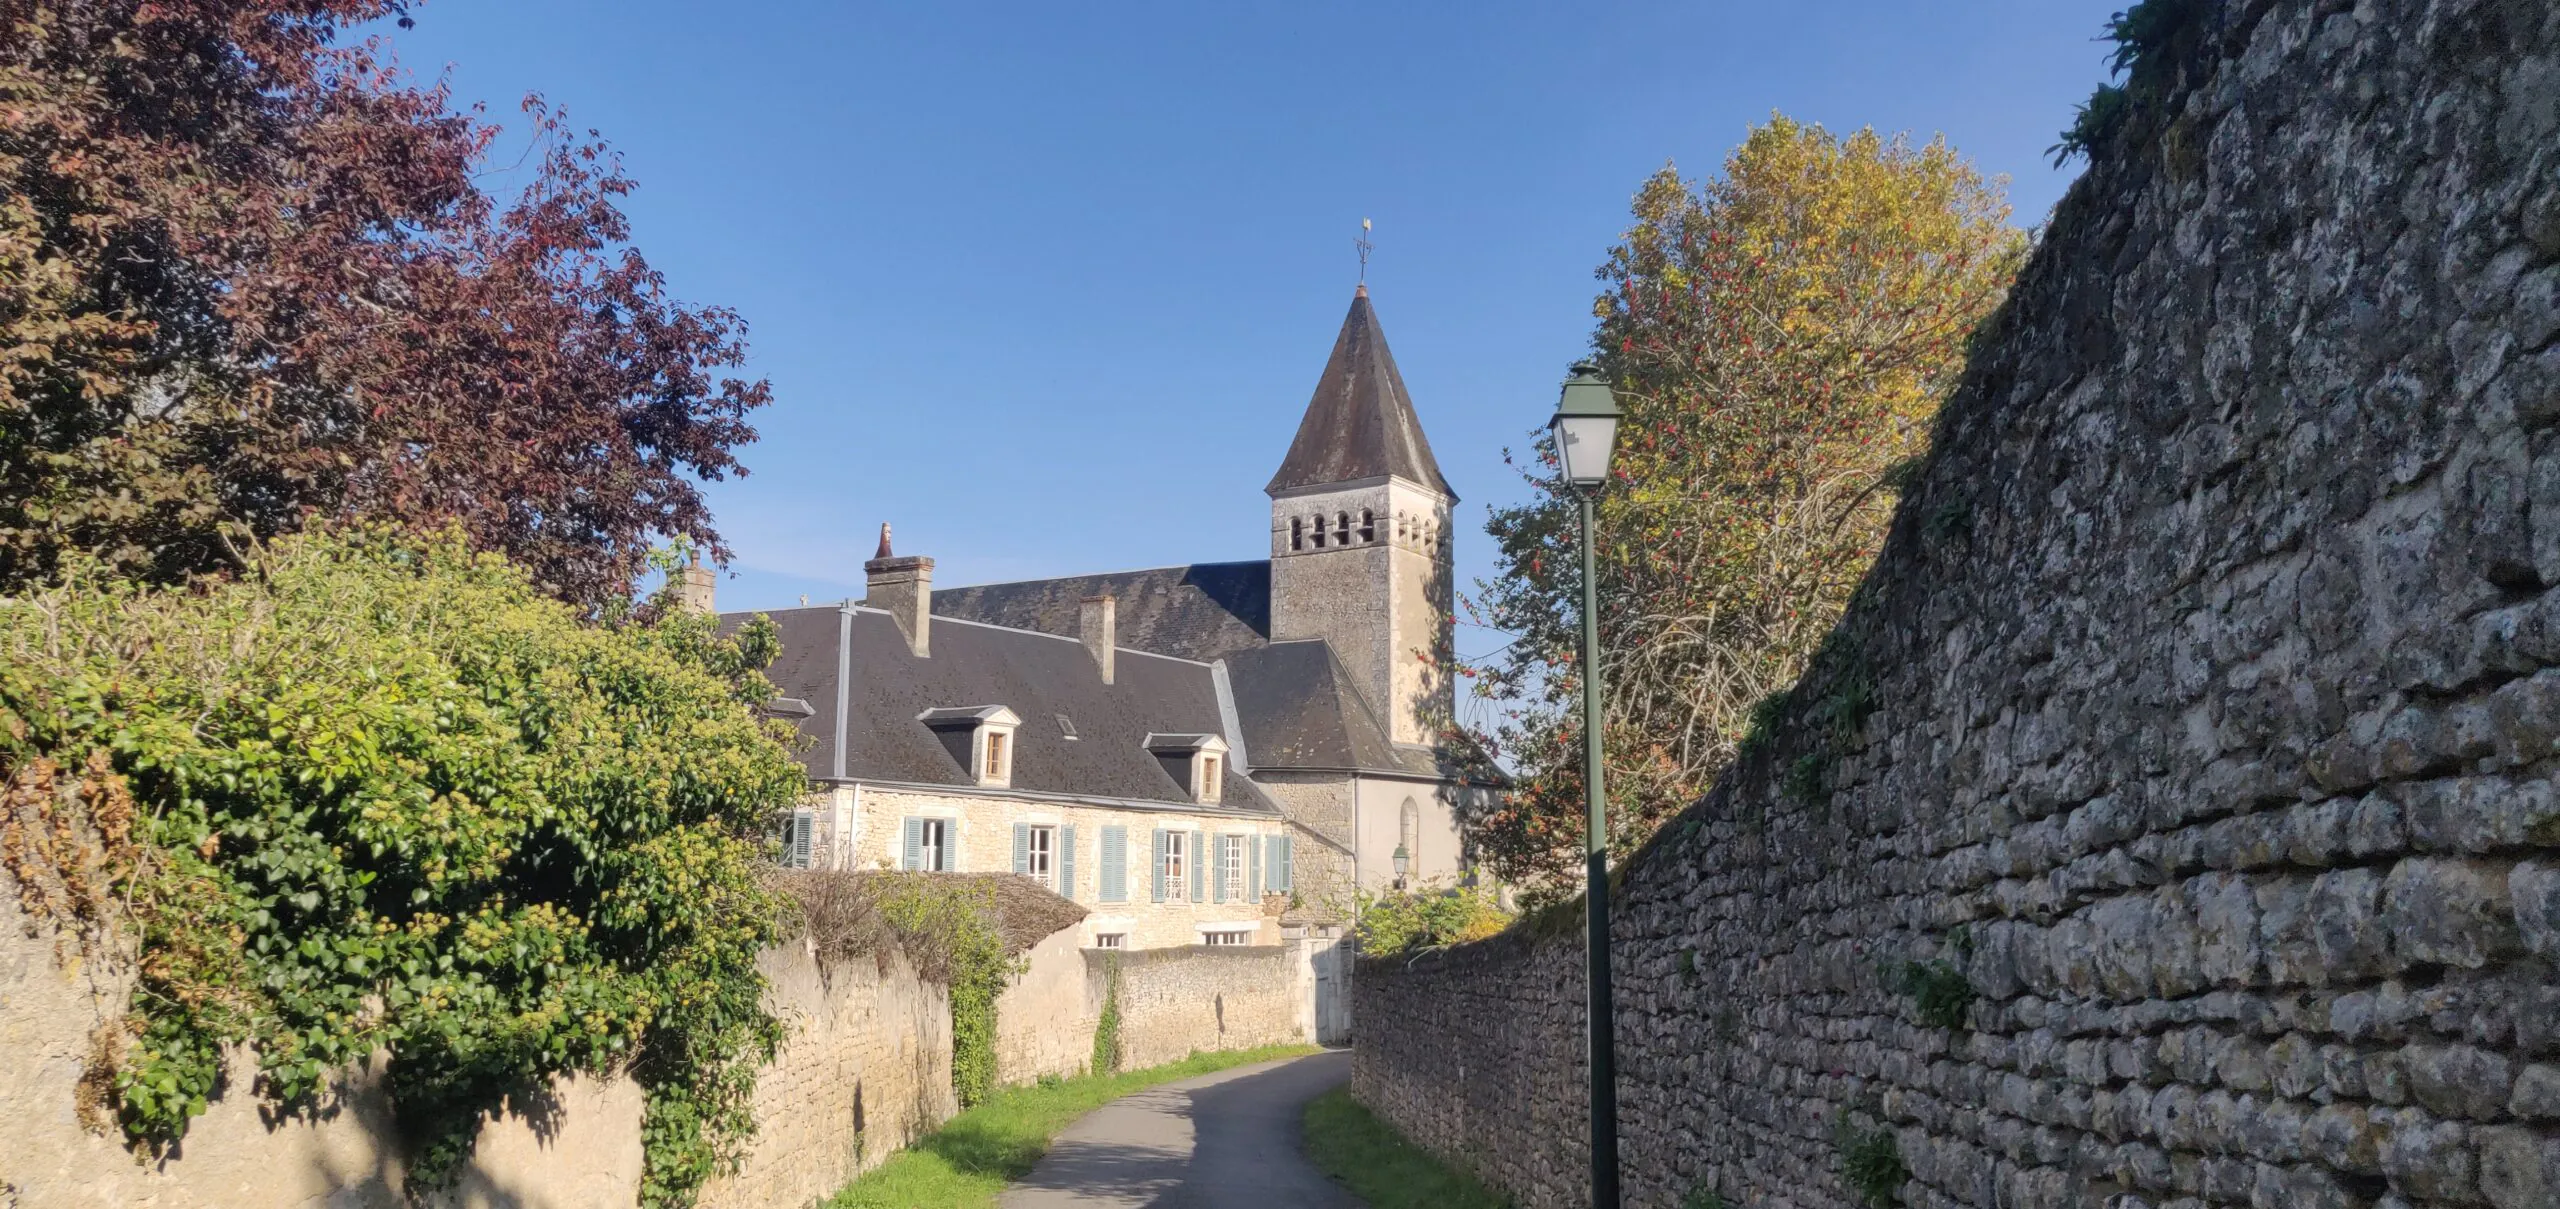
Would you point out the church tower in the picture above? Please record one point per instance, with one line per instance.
(1360, 535)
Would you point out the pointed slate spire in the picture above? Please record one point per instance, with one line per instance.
(1360, 425)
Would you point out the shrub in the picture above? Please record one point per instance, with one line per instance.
(382, 794)
(1870, 1162)
(1426, 916)
(1938, 989)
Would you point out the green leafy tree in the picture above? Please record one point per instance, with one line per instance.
(1780, 337)
(384, 794)
(1427, 915)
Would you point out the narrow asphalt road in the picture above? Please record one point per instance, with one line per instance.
(1223, 1141)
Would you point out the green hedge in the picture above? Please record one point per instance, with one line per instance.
(383, 794)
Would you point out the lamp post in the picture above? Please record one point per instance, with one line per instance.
(1585, 429)
(1403, 860)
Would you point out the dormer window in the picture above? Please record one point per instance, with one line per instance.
(1195, 762)
(979, 738)
(995, 756)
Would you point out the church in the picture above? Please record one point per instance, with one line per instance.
(1200, 754)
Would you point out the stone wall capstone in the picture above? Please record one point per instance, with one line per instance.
(2215, 670)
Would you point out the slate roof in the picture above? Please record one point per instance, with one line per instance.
(1201, 611)
(1360, 424)
(1297, 707)
(1036, 675)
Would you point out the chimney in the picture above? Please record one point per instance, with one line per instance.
(903, 588)
(693, 586)
(1099, 624)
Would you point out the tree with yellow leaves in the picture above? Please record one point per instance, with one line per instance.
(1780, 337)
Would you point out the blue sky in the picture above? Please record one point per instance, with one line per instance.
(1048, 285)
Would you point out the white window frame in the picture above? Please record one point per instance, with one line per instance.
(1115, 941)
(934, 836)
(1231, 866)
(1225, 936)
(996, 750)
(1176, 843)
(1041, 850)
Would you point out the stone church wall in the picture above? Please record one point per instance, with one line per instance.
(2215, 670)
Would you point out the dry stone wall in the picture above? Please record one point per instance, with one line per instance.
(2214, 665)
(1178, 1002)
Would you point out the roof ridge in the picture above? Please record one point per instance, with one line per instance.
(1050, 579)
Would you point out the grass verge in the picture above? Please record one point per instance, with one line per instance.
(1366, 1155)
(964, 1164)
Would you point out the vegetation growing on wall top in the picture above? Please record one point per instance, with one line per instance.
(383, 795)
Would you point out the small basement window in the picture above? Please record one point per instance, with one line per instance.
(1111, 940)
(1226, 937)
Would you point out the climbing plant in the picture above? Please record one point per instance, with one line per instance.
(1106, 1031)
(382, 794)
(950, 927)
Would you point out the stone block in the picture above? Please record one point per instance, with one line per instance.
(2449, 912)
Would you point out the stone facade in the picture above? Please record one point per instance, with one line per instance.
(2215, 670)
(984, 826)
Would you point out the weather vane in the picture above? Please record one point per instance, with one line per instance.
(1362, 243)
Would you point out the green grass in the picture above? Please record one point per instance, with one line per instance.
(964, 1164)
(1349, 1143)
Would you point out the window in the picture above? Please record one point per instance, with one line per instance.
(996, 770)
(1342, 528)
(1066, 728)
(1111, 940)
(928, 846)
(799, 839)
(1175, 843)
(1320, 531)
(1230, 867)
(1040, 855)
(1297, 533)
(1368, 525)
(1207, 789)
(1225, 939)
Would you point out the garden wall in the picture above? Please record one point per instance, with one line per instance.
(2202, 715)
(1174, 1002)
(866, 1068)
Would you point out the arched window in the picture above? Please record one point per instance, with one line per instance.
(1319, 519)
(1297, 533)
(1342, 528)
(1368, 526)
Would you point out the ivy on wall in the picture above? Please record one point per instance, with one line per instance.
(382, 795)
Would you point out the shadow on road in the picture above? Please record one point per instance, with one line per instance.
(1228, 1141)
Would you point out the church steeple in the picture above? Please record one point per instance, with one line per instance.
(1360, 424)
(1360, 536)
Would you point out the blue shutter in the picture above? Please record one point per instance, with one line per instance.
(913, 857)
(1022, 847)
(1199, 876)
(1218, 874)
(1113, 879)
(1253, 868)
(1066, 858)
(1282, 874)
(1158, 863)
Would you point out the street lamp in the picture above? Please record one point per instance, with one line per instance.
(1585, 431)
(1401, 859)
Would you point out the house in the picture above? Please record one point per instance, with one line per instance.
(1199, 753)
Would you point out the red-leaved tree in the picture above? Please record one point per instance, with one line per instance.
(248, 280)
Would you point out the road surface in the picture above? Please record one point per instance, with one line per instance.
(1222, 1141)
